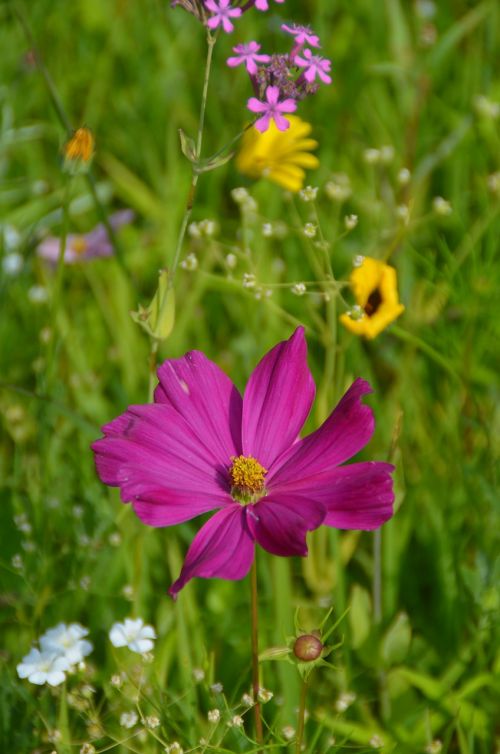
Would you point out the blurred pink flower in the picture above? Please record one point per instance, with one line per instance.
(272, 109)
(315, 65)
(86, 246)
(248, 54)
(222, 13)
(202, 447)
(264, 5)
(303, 34)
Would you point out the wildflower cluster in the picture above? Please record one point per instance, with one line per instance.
(61, 649)
(280, 80)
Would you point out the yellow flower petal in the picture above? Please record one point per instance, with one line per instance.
(375, 289)
(279, 156)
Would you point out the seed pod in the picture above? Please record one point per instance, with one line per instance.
(307, 648)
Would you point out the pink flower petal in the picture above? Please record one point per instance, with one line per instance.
(280, 523)
(346, 431)
(256, 106)
(223, 548)
(282, 124)
(358, 496)
(262, 124)
(272, 95)
(160, 465)
(207, 399)
(277, 400)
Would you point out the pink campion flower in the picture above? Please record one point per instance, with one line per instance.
(272, 109)
(315, 65)
(222, 14)
(303, 34)
(248, 54)
(86, 246)
(264, 5)
(201, 447)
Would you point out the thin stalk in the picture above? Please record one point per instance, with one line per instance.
(377, 575)
(152, 368)
(259, 734)
(211, 40)
(301, 718)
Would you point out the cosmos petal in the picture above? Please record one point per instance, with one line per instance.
(223, 548)
(346, 431)
(160, 465)
(277, 400)
(280, 523)
(207, 399)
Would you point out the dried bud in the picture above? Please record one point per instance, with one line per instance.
(307, 648)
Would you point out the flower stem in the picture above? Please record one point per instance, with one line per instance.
(255, 654)
(211, 40)
(152, 367)
(301, 717)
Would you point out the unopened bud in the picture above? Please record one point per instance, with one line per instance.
(307, 648)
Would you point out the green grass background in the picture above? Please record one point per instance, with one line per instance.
(132, 71)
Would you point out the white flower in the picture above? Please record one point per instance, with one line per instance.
(43, 667)
(37, 294)
(152, 722)
(12, 263)
(133, 634)
(350, 221)
(264, 695)
(213, 715)
(67, 641)
(128, 719)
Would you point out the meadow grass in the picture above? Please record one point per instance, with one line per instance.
(418, 656)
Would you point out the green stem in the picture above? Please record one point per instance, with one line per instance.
(259, 734)
(211, 40)
(301, 718)
(152, 367)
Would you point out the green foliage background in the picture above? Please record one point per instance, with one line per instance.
(132, 71)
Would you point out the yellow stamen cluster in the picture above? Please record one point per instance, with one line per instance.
(79, 245)
(81, 146)
(247, 478)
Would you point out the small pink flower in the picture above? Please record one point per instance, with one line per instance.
(272, 109)
(222, 14)
(303, 34)
(248, 54)
(315, 65)
(264, 5)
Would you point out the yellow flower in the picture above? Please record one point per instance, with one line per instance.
(280, 156)
(375, 289)
(79, 150)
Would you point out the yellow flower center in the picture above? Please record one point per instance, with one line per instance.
(373, 303)
(247, 479)
(79, 245)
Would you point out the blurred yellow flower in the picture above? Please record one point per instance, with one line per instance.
(375, 289)
(280, 156)
(80, 148)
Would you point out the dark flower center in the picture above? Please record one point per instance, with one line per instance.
(247, 479)
(373, 303)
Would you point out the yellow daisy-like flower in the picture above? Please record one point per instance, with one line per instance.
(375, 287)
(280, 156)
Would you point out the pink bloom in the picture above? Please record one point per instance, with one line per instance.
(222, 14)
(272, 109)
(86, 246)
(202, 447)
(263, 4)
(303, 34)
(248, 54)
(316, 66)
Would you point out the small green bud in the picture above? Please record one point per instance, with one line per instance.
(158, 318)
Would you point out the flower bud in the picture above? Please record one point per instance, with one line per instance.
(307, 648)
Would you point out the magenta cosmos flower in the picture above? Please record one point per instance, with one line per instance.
(202, 447)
